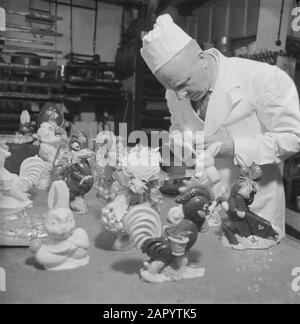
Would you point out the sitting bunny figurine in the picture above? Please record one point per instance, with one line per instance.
(65, 247)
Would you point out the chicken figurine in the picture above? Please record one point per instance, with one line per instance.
(14, 198)
(169, 253)
(66, 247)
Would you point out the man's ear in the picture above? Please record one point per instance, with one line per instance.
(201, 54)
(203, 59)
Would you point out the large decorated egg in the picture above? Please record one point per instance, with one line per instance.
(79, 179)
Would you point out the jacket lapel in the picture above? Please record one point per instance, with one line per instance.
(225, 96)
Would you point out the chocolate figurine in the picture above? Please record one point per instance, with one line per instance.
(66, 246)
(243, 229)
(205, 174)
(73, 164)
(169, 253)
(15, 227)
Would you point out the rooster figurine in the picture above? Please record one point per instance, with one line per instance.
(169, 252)
(14, 197)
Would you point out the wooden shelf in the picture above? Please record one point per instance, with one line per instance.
(35, 31)
(26, 49)
(30, 96)
(5, 66)
(34, 15)
(56, 85)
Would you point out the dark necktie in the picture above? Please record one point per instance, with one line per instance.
(200, 106)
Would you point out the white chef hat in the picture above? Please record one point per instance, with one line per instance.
(164, 42)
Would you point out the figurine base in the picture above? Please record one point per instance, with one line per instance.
(18, 229)
(71, 264)
(251, 243)
(79, 205)
(170, 274)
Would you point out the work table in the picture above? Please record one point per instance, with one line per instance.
(113, 277)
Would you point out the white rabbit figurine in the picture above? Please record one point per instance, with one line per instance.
(65, 247)
(205, 170)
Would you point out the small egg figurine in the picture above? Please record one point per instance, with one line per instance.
(66, 246)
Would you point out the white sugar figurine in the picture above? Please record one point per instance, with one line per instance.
(65, 247)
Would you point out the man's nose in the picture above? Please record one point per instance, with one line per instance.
(181, 94)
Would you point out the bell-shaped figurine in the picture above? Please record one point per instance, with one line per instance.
(26, 129)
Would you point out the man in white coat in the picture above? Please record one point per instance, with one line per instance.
(252, 108)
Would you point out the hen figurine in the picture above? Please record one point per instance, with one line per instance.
(65, 247)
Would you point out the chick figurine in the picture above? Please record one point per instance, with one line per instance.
(65, 247)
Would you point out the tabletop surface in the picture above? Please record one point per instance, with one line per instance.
(113, 276)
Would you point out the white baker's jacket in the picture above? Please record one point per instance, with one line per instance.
(257, 105)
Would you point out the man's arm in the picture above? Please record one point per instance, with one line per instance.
(277, 107)
(179, 141)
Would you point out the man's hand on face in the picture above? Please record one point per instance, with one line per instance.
(227, 149)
